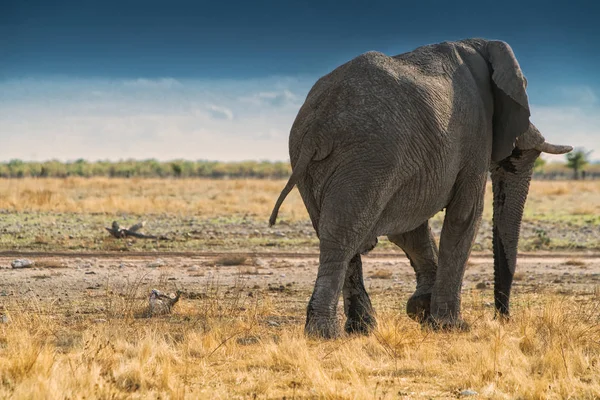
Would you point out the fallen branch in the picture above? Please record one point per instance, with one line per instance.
(117, 231)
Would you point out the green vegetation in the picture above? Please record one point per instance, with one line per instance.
(50, 231)
(244, 169)
(538, 166)
(145, 169)
(577, 160)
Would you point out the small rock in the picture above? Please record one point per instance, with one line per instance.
(156, 263)
(280, 234)
(99, 320)
(282, 275)
(22, 263)
(90, 273)
(480, 285)
(260, 262)
(468, 392)
(273, 323)
(193, 268)
(3, 319)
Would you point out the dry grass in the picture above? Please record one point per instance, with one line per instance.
(557, 198)
(381, 274)
(518, 276)
(209, 198)
(222, 348)
(248, 271)
(575, 262)
(231, 260)
(203, 197)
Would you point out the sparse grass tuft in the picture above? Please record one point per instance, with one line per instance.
(381, 274)
(231, 260)
(518, 276)
(575, 262)
(249, 271)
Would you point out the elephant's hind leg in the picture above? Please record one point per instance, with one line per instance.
(420, 248)
(357, 304)
(342, 235)
(321, 313)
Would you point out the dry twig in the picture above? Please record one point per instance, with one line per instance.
(133, 231)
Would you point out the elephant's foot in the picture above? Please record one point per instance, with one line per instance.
(321, 323)
(445, 315)
(418, 307)
(447, 324)
(359, 311)
(321, 328)
(363, 325)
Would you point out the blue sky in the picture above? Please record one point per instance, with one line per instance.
(224, 80)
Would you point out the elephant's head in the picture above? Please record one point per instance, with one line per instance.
(516, 145)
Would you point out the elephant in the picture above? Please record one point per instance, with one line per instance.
(383, 143)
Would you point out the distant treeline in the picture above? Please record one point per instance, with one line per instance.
(146, 169)
(562, 171)
(207, 169)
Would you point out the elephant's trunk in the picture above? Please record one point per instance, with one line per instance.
(510, 182)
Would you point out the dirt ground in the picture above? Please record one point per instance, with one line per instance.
(85, 279)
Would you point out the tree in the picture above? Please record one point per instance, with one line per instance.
(538, 165)
(177, 169)
(576, 160)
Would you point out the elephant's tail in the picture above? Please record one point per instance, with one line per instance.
(306, 156)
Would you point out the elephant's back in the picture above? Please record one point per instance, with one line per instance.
(375, 102)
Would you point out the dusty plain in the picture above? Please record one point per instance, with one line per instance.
(72, 324)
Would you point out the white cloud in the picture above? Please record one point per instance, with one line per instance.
(276, 98)
(218, 120)
(117, 119)
(217, 112)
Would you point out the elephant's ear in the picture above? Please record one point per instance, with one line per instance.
(511, 106)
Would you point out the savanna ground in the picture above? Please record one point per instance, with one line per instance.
(71, 328)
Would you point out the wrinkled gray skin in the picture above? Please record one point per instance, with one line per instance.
(382, 144)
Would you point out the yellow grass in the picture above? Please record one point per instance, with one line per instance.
(209, 198)
(381, 274)
(550, 350)
(558, 198)
(205, 197)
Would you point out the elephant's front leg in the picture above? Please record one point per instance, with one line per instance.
(420, 248)
(461, 223)
(357, 304)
